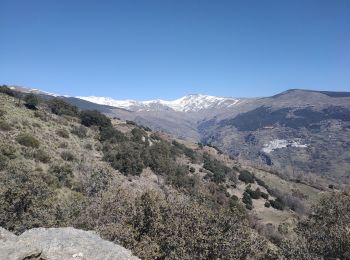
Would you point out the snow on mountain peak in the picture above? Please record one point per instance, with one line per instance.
(189, 103)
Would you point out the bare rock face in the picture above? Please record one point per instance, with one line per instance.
(59, 244)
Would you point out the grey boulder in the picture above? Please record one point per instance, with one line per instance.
(59, 244)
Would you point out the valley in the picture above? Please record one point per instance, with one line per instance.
(149, 191)
(297, 132)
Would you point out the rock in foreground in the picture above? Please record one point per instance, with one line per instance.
(59, 244)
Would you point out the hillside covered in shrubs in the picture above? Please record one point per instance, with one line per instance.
(160, 197)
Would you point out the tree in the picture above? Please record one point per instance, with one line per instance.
(246, 177)
(125, 158)
(60, 107)
(31, 101)
(327, 229)
(93, 117)
(6, 90)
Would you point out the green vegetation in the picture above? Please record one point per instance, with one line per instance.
(182, 149)
(327, 230)
(125, 158)
(246, 177)
(62, 133)
(8, 150)
(80, 131)
(31, 101)
(6, 90)
(61, 173)
(42, 156)
(254, 194)
(277, 204)
(3, 162)
(138, 135)
(247, 200)
(27, 140)
(219, 170)
(170, 212)
(4, 126)
(67, 156)
(92, 117)
(60, 107)
(111, 134)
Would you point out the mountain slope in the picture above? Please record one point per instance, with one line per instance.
(155, 195)
(87, 171)
(296, 132)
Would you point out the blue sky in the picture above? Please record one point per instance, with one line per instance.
(169, 48)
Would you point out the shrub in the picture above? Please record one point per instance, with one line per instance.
(80, 131)
(62, 133)
(218, 169)
(93, 117)
(246, 177)
(67, 156)
(111, 134)
(183, 149)
(8, 150)
(277, 204)
(233, 202)
(129, 122)
(125, 158)
(88, 146)
(256, 194)
(138, 135)
(206, 233)
(3, 162)
(31, 101)
(177, 176)
(63, 173)
(192, 169)
(261, 183)
(42, 156)
(247, 199)
(327, 229)
(27, 140)
(24, 199)
(267, 204)
(160, 158)
(146, 128)
(2, 113)
(63, 145)
(35, 124)
(249, 206)
(4, 126)
(155, 136)
(6, 90)
(264, 195)
(42, 115)
(60, 107)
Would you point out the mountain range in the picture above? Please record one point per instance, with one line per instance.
(190, 103)
(297, 132)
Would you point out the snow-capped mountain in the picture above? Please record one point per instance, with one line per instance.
(190, 103)
(33, 90)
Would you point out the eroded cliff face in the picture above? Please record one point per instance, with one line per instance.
(59, 243)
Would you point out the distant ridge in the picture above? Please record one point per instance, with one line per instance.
(189, 103)
(328, 93)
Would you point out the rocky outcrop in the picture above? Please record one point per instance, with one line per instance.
(59, 244)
